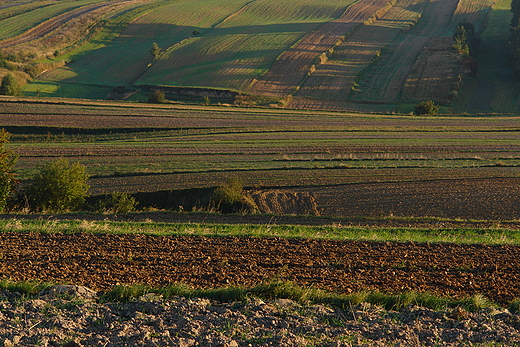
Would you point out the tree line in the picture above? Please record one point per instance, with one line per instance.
(514, 38)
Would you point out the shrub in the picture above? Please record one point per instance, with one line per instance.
(426, 108)
(59, 186)
(10, 86)
(7, 161)
(157, 97)
(229, 198)
(117, 203)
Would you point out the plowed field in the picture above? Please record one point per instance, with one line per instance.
(101, 261)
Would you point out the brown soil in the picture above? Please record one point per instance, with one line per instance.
(101, 261)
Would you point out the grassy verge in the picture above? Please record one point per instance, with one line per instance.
(276, 289)
(496, 235)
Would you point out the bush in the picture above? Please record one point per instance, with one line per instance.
(157, 97)
(10, 86)
(7, 161)
(117, 203)
(229, 198)
(426, 108)
(59, 186)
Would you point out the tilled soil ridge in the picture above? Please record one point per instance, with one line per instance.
(100, 261)
(66, 319)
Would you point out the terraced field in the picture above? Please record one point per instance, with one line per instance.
(367, 56)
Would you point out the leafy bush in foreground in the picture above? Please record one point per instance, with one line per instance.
(59, 186)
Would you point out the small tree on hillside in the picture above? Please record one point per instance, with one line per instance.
(10, 86)
(426, 108)
(155, 51)
(7, 161)
(157, 97)
(59, 186)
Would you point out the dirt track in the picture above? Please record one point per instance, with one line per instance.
(100, 261)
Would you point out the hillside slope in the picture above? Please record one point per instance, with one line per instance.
(369, 55)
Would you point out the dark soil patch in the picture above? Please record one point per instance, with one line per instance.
(101, 261)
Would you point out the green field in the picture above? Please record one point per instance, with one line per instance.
(237, 41)
(17, 19)
(186, 147)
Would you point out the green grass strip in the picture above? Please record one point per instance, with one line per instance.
(463, 235)
(275, 289)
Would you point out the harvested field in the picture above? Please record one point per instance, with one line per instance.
(423, 82)
(289, 70)
(386, 78)
(476, 199)
(335, 78)
(101, 261)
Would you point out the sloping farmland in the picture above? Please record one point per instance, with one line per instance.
(289, 70)
(37, 18)
(233, 52)
(384, 80)
(124, 59)
(438, 72)
(335, 78)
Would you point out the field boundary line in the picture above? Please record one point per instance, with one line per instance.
(51, 24)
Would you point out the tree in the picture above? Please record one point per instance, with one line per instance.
(157, 97)
(7, 161)
(465, 37)
(426, 108)
(155, 51)
(10, 86)
(59, 186)
(195, 32)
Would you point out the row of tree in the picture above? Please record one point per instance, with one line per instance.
(514, 38)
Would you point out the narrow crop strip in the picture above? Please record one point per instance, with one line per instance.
(434, 234)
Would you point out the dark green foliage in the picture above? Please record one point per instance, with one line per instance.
(426, 108)
(514, 306)
(59, 186)
(465, 37)
(195, 32)
(157, 97)
(7, 161)
(155, 51)
(4, 64)
(515, 8)
(10, 86)
(513, 51)
(230, 198)
(117, 203)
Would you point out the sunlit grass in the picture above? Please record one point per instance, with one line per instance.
(497, 235)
